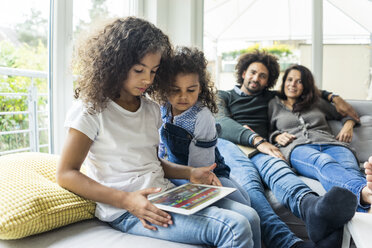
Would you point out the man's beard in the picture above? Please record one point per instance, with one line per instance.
(253, 91)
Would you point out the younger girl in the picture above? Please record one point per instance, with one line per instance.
(114, 129)
(188, 134)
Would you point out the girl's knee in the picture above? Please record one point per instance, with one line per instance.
(252, 216)
(240, 225)
(234, 229)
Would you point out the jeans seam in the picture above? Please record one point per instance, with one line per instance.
(328, 180)
(243, 167)
(344, 185)
(302, 194)
(224, 223)
(199, 214)
(128, 217)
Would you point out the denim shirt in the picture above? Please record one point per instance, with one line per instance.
(178, 137)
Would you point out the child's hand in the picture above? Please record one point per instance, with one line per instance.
(145, 211)
(204, 175)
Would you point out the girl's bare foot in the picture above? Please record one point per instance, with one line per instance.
(367, 191)
(366, 196)
(368, 171)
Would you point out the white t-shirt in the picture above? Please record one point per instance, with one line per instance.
(124, 150)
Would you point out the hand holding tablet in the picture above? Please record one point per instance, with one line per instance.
(189, 198)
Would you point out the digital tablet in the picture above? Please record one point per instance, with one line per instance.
(189, 198)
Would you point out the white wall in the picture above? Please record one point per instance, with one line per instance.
(345, 69)
(182, 20)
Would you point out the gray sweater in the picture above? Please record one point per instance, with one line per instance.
(309, 126)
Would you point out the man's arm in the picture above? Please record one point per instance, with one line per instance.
(342, 107)
(230, 129)
(265, 147)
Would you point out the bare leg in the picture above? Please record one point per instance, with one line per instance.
(367, 191)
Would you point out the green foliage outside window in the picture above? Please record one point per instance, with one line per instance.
(32, 54)
(282, 51)
(25, 57)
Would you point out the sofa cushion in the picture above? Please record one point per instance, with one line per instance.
(362, 136)
(30, 199)
(91, 233)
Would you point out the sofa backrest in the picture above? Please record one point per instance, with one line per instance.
(362, 137)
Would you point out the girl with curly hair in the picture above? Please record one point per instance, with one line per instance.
(188, 134)
(113, 129)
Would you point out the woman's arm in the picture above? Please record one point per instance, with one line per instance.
(346, 133)
(284, 139)
(75, 150)
(277, 136)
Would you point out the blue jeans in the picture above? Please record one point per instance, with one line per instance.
(331, 165)
(286, 186)
(241, 196)
(224, 224)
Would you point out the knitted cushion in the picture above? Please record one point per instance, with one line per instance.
(30, 199)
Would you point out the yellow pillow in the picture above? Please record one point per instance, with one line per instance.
(31, 201)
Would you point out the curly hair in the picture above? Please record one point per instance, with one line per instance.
(104, 59)
(270, 61)
(189, 60)
(310, 93)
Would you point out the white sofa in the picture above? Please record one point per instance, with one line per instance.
(93, 233)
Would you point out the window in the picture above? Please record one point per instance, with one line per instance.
(86, 12)
(284, 28)
(24, 115)
(25, 110)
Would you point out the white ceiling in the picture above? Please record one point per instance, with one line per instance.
(255, 20)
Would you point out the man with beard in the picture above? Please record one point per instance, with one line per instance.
(244, 121)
